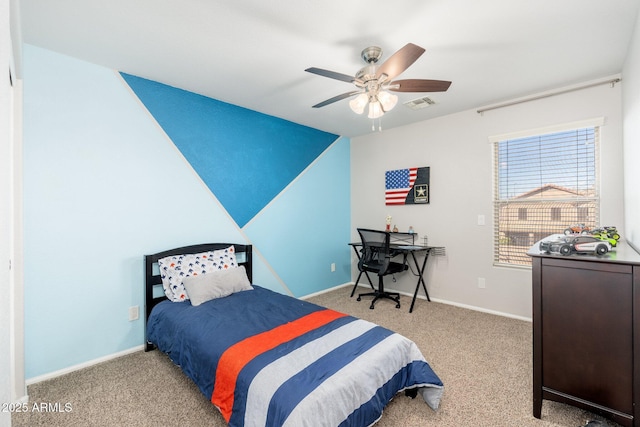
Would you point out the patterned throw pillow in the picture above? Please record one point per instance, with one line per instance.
(173, 269)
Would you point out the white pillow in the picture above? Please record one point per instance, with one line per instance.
(217, 284)
(173, 269)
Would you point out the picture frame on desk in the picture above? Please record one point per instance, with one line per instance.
(409, 186)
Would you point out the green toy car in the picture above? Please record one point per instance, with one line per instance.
(612, 232)
(607, 234)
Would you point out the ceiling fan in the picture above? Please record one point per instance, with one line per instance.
(374, 81)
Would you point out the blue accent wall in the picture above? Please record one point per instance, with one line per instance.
(106, 181)
(245, 158)
(309, 218)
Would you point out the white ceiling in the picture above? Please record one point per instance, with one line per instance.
(253, 53)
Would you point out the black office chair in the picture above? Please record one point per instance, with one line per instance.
(376, 258)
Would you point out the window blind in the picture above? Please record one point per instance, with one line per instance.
(543, 184)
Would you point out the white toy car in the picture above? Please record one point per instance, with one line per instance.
(581, 244)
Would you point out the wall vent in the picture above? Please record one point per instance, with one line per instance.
(418, 103)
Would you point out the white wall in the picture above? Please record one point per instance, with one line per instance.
(457, 150)
(6, 104)
(19, 388)
(631, 106)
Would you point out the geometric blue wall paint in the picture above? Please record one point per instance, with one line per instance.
(301, 247)
(230, 147)
(97, 172)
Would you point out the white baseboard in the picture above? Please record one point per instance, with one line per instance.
(21, 400)
(483, 310)
(324, 291)
(83, 365)
(443, 301)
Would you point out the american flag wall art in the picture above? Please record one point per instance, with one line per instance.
(407, 186)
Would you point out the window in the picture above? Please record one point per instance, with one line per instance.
(543, 184)
(522, 214)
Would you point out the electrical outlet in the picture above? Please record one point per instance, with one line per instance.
(481, 220)
(481, 283)
(333, 267)
(134, 313)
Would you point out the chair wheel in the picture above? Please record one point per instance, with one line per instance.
(371, 307)
(398, 305)
(359, 299)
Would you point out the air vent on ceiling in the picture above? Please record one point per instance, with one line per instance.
(418, 103)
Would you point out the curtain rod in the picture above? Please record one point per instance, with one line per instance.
(611, 82)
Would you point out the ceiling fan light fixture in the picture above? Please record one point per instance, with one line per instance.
(358, 103)
(388, 100)
(375, 110)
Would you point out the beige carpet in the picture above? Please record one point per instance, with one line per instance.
(483, 360)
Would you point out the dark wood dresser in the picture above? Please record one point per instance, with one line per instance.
(586, 332)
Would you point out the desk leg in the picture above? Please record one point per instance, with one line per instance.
(358, 279)
(420, 278)
(355, 285)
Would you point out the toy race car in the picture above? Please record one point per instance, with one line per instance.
(609, 234)
(576, 229)
(575, 244)
(603, 235)
(608, 231)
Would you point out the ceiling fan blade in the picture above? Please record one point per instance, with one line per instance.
(337, 98)
(331, 74)
(400, 61)
(419, 85)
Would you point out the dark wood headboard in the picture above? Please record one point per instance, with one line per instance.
(153, 281)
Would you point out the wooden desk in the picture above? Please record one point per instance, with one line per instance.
(403, 248)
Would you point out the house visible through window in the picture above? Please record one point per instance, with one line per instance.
(544, 183)
(583, 213)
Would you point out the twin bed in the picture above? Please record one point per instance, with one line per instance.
(267, 359)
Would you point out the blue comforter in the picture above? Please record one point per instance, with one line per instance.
(266, 359)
